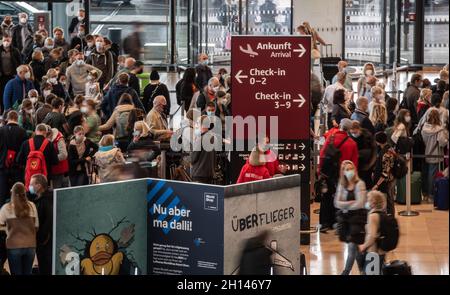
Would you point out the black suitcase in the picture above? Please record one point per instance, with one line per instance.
(397, 268)
(329, 64)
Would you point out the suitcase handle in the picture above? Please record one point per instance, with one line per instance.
(326, 49)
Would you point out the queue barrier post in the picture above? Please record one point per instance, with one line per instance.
(408, 211)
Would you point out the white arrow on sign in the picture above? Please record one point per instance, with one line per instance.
(302, 167)
(303, 146)
(239, 76)
(301, 101)
(302, 157)
(302, 50)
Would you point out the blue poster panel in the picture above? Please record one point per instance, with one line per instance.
(185, 224)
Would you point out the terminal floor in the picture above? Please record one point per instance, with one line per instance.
(424, 244)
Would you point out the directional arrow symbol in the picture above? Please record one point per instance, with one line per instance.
(302, 100)
(302, 50)
(303, 146)
(302, 157)
(239, 76)
(302, 167)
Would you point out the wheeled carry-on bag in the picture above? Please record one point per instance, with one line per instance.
(416, 189)
(397, 268)
(329, 64)
(441, 194)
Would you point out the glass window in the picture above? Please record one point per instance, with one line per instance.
(436, 32)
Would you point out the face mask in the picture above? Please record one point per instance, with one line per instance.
(136, 133)
(23, 20)
(89, 78)
(79, 138)
(49, 46)
(81, 34)
(216, 89)
(99, 45)
(84, 110)
(205, 62)
(31, 189)
(54, 81)
(367, 206)
(33, 99)
(6, 44)
(355, 135)
(369, 73)
(47, 92)
(27, 75)
(349, 174)
(80, 18)
(79, 62)
(407, 119)
(210, 114)
(90, 44)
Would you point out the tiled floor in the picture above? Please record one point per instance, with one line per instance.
(424, 244)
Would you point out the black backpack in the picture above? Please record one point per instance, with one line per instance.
(330, 166)
(400, 168)
(389, 232)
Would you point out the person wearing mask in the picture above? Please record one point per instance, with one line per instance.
(90, 45)
(93, 90)
(157, 121)
(57, 88)
(435, 137)
(77, 74)
(203, 159)
(221, 74)
(134, 80)
(340, 109)
(42, 198)
(342, 67)
(26, 117)
(383, 179)
(367, 151)
(6, 26)
(255, 168)
(350, 200)
(77, 22)
(92, 121)
(10, 59)
(142, 138)
(153, 89)
(376, 204)
(111, 98)
(128, 66)
(78, 41)
(49, 45)
(363, 87)
(392, 110)
(60, 41)
(56, 118)
(349, 151)
(103, 60)
(424, 102)
(328, 96)
(107, 158)
(119, 121)
(21, 220)
(411, 97)
(11, 136)
(377, 97)
(204, 73)
(53, 60)
(17, 88)
(36, 100)
(38, 67)
(46, 108)
(22, 35)
(378, 117)
(81, 152)
(402, 127)
(60, 170)
(209, 94)
(188, 88)
(361, 114)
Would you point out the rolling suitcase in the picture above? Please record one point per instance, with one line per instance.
(397, 268)
(441, 194)
(329, 64)
(416, 189)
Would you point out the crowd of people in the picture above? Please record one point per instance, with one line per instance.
(366, 150)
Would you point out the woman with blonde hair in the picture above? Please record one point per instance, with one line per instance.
(378, 116)
(424, 102)
(377, 97)
(21, 220)
(350, 199)
(363, 87)
(108, 157)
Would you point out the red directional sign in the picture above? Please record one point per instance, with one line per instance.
(271, 77)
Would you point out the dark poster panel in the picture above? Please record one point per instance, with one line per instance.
(185, 224)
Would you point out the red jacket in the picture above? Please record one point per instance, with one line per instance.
(349, 150)
(251, 173)
(63, 166)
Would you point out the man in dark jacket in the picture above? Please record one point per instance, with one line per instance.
(51, 157)
(411, 97)
(76, 22)
(43, 199)
(111, 99)
(367, 151)
(361, 115)
(17, 88)
(22, 35)
(11, 138)
(10, 59)
(103, 60)
(204, 72)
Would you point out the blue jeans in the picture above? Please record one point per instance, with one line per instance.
(21, 260)
(431, 170)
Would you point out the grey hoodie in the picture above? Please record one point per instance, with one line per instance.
(77, 77)
(435, 137)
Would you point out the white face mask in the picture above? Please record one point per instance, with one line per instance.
(49, 46)
(99, 45)
(27, 75)
(369, 73)
(80, 18)
(367, 206)
(33, 99)
(84, 110)
(46, 92)
(349, 174)
(90, 44)
(53, 81)
(407, 119)
(6, 44)
(79, 62)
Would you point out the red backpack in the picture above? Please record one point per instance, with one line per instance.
(35, 162)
